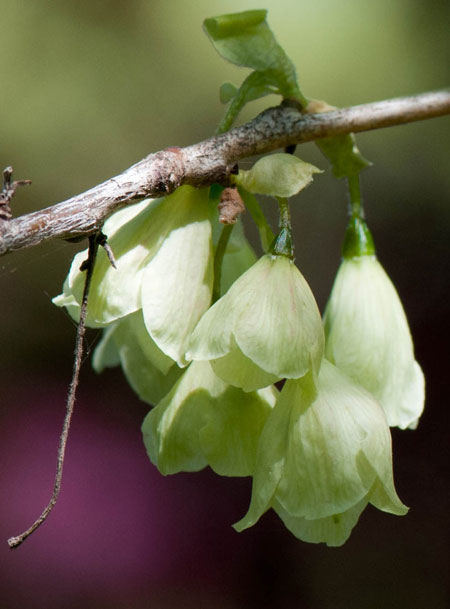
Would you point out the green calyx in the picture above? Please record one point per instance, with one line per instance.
(282, 245)
(358, 239)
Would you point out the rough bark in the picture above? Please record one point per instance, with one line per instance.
(207, 162)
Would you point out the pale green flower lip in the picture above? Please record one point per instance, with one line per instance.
(324, 453)
(266, 327)
(367, 336)
(163, 251)
(203, 421)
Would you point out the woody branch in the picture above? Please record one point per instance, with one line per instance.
(209, 161)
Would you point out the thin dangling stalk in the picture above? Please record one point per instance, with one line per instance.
(88, 266)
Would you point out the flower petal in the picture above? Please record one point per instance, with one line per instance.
(238, 370)
(115, 292)
(106, 354)
(239, 257)
(170, 430)
(382, 494)
(325, 449)
(148, 370)
(329, 439)
(229, 439)
(270, 464)
(133, 331)
(204, 421)
(177, 282)
(275, 321)
(148, 382)
(68, 300)
(333, 530)
(211, 337)
(278, 323)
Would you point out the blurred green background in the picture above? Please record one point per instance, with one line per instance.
(89, 87)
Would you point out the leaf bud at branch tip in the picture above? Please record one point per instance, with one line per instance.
(317, 106)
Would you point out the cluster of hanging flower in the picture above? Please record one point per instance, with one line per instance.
(319, 450)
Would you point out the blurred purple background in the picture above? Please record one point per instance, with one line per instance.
(88, 89)
(123, 536)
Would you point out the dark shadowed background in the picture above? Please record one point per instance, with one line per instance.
(89, 87)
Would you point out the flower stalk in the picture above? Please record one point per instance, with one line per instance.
(218, 259)
(283, 244)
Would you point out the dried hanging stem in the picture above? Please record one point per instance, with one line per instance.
(88, 266)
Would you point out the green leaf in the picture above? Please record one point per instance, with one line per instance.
(278, 175)
(227, 92)
(245, 39)
(234, 23)
(256, 85)
(343, 154)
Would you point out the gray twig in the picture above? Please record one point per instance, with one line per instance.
(210, 161)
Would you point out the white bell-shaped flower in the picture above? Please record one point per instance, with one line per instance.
(368, 337)
(163, 252)
(203, 421)
(265, 328)
(324, 453)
